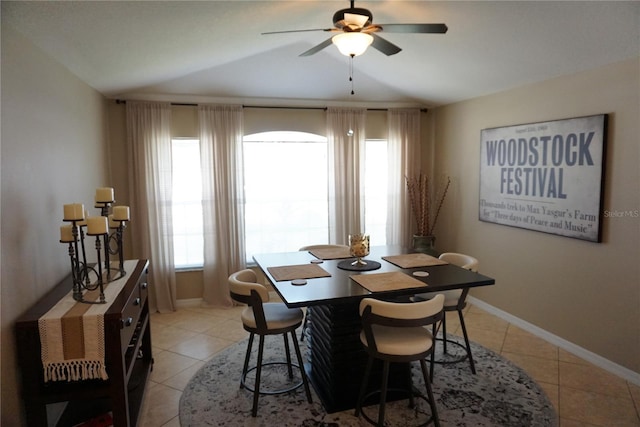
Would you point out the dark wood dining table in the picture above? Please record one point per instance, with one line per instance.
(337, 357)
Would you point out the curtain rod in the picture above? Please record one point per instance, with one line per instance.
(181, 104)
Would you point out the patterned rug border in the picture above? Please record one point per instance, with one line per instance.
(500, 394)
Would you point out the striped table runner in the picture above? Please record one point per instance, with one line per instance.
(72, 334)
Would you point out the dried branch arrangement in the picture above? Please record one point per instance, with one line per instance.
(425, 205)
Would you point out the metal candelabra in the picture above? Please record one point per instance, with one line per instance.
(108, 230)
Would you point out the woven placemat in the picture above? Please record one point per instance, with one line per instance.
(331, 253)
(303, 271)
(392, 281)
(414, 260)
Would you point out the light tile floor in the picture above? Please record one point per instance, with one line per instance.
(583, 395)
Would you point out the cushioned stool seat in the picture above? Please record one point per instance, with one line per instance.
(277, 315)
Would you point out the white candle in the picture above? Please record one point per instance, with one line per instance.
(97, 225)
(66, 234)
(121, 213)
(113, 223)
(73, 212)
(104, 195)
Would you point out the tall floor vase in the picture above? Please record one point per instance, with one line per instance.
(425, 245)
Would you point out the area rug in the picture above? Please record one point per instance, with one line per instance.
(500, 394)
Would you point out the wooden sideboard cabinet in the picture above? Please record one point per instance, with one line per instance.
(128, 360)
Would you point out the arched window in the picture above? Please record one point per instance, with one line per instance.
(285, 178)
(286, 191)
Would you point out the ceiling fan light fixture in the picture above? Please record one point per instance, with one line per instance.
(353, 43)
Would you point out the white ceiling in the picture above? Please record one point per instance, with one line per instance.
(215, 48)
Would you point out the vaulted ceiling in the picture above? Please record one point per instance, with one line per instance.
(183, 49)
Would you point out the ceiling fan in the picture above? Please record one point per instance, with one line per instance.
(356, 31)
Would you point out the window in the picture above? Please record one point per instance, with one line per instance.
(187, 204)
(285, 178)
(286, 191)
(286, 194)
(375, 190)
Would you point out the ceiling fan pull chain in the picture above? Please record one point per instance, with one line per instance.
(351, 73)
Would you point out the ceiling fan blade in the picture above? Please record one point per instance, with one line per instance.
(317, 48)
(384, 46)
(414, 28)
(298, 31)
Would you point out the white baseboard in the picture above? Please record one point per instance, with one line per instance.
(599, 361)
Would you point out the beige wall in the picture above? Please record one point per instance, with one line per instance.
(586, 293)
(54, 137)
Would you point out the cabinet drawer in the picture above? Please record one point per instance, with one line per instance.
(131, 315)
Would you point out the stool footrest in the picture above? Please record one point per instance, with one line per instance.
(457, 359)
(243, 383)
(415, 393)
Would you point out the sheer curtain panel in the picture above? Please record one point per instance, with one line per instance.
(404, 160)
(345, 138)
(221, 132)
(149, 145)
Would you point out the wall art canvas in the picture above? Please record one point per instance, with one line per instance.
(545, 176)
